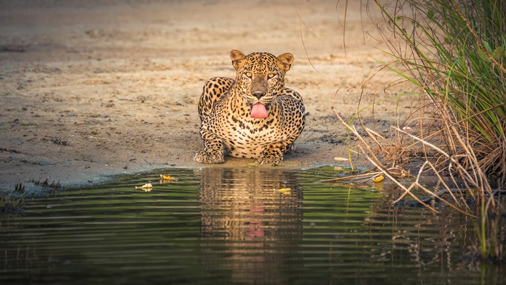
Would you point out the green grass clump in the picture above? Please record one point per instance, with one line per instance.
(12, 201)
(456, 52)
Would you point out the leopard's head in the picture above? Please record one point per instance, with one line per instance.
(260, 76)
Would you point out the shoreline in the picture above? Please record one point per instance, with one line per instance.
(101, 89)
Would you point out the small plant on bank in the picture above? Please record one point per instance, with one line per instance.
(12, 201)
(53, 185)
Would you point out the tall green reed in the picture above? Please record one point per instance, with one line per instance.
(455, 51)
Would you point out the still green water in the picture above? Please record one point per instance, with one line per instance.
(221, 226)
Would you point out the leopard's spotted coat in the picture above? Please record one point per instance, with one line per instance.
(225, 108)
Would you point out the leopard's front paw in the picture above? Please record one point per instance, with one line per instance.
(209, 157)
(268, 159)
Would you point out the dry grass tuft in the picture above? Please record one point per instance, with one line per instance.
(54, 185)
(465, 166)
(12, 202)
(455, 52)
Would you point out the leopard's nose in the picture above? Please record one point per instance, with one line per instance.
(259, 94)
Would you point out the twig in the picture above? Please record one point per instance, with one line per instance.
(374, 160)
(443, 200)
(407, 190)
(416, 182)
(446, 186)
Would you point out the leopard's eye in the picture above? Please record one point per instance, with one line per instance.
(270, 75)
(249, 74)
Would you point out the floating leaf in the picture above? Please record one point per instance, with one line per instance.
(146, 187)
(378, 186)
(378, 178)
(166, 177)
(284, 190)
(166, 181)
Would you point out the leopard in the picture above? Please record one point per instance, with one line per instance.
(251, 116)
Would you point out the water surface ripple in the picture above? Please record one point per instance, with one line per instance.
(220, 226)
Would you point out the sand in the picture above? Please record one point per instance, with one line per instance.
(90, 89)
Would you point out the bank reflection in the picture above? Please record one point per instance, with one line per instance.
(252, 226)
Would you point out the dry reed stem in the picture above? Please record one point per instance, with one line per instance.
(302, 37)
(477, 173)
(416, 181)
(369, 132)
(357, 135)
(407, 190)
(446, 186)
(378, 165)
(375, 133)
(475, 178)
(357, 176)
(461, 169)
(374, 160)
(443, 200)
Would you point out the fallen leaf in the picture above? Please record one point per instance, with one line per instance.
(378, 186)
(378, 178)
(146, 187)
(338, 168)
(340, 159)
(284, 190)
(166, 177)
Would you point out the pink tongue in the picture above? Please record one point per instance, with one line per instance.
(258, 111)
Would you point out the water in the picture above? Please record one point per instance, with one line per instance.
(220, 226)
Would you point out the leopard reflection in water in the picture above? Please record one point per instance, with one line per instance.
(248, 228)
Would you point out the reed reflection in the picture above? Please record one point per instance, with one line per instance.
(253, 227)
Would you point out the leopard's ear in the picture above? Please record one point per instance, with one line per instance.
(236, 57)
(285, 61)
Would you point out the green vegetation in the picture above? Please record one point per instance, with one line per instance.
(455, 51)
(13, 200)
